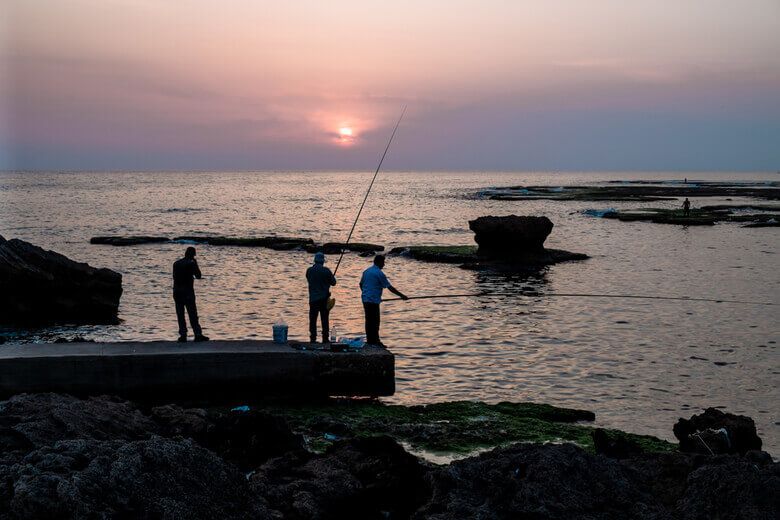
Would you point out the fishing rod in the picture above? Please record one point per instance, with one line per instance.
(580, 295)
(349, 237)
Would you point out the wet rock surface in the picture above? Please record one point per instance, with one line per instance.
(62, 457)
(42, 287)
(715, 431)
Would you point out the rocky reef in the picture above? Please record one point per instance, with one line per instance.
(277, 243)
(634, 191)
(42, 287)
(509, 242)
(696, 217)
(62, 457)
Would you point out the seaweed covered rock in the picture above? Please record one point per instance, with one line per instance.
(715, 431)
(510, 235)
(362, 478)
(40, 287)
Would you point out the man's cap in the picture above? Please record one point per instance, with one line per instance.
(319, 257)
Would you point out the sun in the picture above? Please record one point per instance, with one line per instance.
(346, 135)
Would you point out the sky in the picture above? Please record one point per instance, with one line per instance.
(540, 85)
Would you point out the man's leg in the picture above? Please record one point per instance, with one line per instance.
(192, 311)
(378, 318)
(372, 323)
(179, 302)
(313, 311)
(325, 316)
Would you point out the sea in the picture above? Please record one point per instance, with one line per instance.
(639, 364)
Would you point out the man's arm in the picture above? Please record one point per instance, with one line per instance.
(196, 269)
(397, 292)
(332, 279)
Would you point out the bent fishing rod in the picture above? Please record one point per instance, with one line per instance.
(349, 237)
(579, 295)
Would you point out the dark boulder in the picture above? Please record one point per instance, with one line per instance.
(36, 420)
(537, 481)
(154, 478)
(245, 438)
(614, 446)
(250, 438)
(40, 287)
(564, 481)
(368, 478)
(716, 432)
(732, 487)
(511, 235)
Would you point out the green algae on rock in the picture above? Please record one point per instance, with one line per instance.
(467, 256)
(451, 427)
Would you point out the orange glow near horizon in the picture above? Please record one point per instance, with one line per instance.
(346, 135)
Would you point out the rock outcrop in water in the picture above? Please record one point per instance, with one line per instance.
(41, 287)
(509, 243)
(510, 236)
(62, 457)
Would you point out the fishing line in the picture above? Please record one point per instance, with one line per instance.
(368, 191)
(581, 295)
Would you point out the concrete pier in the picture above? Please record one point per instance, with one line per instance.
(214, 371)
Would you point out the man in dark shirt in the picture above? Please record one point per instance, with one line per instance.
(184, 271)
(686, 207)
(320, 280)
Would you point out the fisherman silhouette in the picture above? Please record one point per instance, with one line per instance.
(686, 207)
(184, 271)
(320, 280)
(371, 284)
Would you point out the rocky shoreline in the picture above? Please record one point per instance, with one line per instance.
(62, 457)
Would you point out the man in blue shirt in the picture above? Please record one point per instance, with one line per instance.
(372, 283)
(320, 280)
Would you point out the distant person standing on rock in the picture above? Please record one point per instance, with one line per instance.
(185, 270)
(320, 280)
(372, 283)
(686, 207)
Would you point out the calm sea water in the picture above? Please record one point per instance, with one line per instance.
(639, 364)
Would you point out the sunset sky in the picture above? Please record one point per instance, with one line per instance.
(490, 85)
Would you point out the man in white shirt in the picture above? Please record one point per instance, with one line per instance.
(372, 283)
